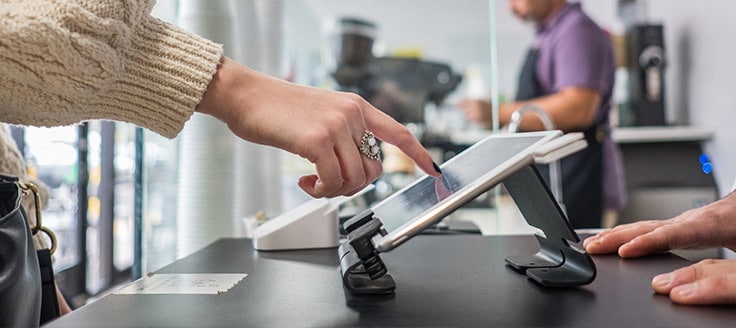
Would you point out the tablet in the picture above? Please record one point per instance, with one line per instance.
(464, 177)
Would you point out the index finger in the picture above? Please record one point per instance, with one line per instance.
(663, 238)
(609, 241)
(393, 132)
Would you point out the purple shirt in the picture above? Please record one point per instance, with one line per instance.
(575, 52)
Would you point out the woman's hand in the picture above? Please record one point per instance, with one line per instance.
(323, 126)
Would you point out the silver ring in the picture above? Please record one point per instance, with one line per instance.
(369, 145)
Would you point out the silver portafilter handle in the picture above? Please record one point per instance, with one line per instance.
(554, 167)
(517, 115)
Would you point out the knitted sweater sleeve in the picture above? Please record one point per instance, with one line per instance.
(62, 62)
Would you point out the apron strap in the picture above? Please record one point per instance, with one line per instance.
(528, 87)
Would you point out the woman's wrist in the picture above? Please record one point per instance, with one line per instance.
(214, 102)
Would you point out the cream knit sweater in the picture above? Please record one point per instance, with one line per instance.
(64, 61)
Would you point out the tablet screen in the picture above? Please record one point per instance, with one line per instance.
(481, 166)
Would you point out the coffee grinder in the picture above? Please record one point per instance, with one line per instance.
(646, 73)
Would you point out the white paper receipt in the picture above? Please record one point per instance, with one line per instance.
(183, 283)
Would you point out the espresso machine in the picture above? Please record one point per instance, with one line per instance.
(399, 86)
(646, 72)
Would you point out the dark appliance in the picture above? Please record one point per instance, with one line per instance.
(646, 71)
(398, 86)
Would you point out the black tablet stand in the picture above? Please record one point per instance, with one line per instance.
(557, 264)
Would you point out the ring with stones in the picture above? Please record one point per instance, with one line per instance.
(369, 145)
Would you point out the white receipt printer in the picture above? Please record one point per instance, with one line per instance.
(313, 224)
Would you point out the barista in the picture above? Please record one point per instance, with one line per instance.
(569, 74)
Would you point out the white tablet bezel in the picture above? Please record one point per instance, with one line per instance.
(437, 212)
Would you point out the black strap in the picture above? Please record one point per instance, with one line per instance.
(528, 87)
(49, 301)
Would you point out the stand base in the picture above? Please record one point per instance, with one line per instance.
(561, 268)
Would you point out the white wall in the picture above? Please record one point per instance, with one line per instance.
(455, 32)
(433, 26)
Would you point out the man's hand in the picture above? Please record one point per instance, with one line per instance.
(708, 226)
(707, 282)
(478, 111)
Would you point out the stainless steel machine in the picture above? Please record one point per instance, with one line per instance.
(399, 86)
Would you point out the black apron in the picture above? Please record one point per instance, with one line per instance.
(582, 172)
